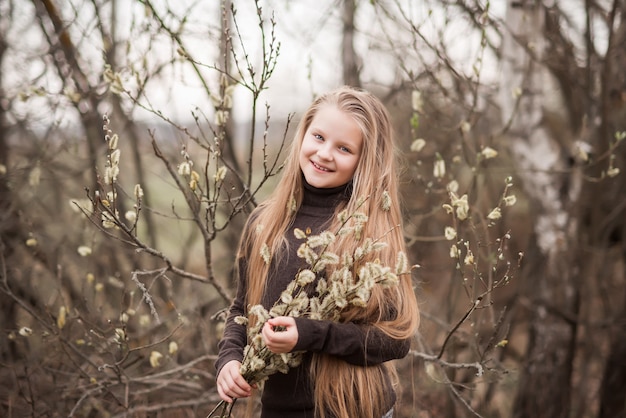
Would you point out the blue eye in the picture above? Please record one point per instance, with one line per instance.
(344, 149)
(318, 137)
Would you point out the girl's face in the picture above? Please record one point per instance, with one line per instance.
(331, 148)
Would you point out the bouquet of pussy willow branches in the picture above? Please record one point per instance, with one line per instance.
(343, 288)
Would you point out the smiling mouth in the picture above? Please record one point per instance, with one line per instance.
(319, 167)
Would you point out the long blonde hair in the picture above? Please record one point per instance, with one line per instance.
(344, 390)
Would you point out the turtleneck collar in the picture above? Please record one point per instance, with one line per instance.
(325, 197)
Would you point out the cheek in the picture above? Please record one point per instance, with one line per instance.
(305, 148)
(303, 156)
(350, 165)
(354, 170)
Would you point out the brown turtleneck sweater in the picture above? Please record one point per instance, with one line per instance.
(291, 395)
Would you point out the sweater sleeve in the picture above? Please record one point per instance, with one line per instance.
(360, 345)
(234, 340)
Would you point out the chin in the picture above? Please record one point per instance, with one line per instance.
(317, 183)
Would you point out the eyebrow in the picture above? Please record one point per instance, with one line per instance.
(356, 148)
(313, 127)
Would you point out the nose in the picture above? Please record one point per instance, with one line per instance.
(324, 152)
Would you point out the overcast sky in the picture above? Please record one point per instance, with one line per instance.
(308, 30)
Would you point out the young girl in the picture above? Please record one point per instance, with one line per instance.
(342, 154)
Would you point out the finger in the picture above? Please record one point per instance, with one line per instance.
(233, 385)
(223, 395)
(237, 392)
(232, 390)
(271, 340)
(281, 321)
(241, 384)
(237, 384)
(269, 334)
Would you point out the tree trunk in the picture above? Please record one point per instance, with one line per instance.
(349, 57)
(612, 400)
(8, 220)
(531, 114)
(65, 56)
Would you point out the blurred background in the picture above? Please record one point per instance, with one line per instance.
(137, 135)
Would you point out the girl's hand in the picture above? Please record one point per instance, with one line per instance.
(230, 383)
(280, 334)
